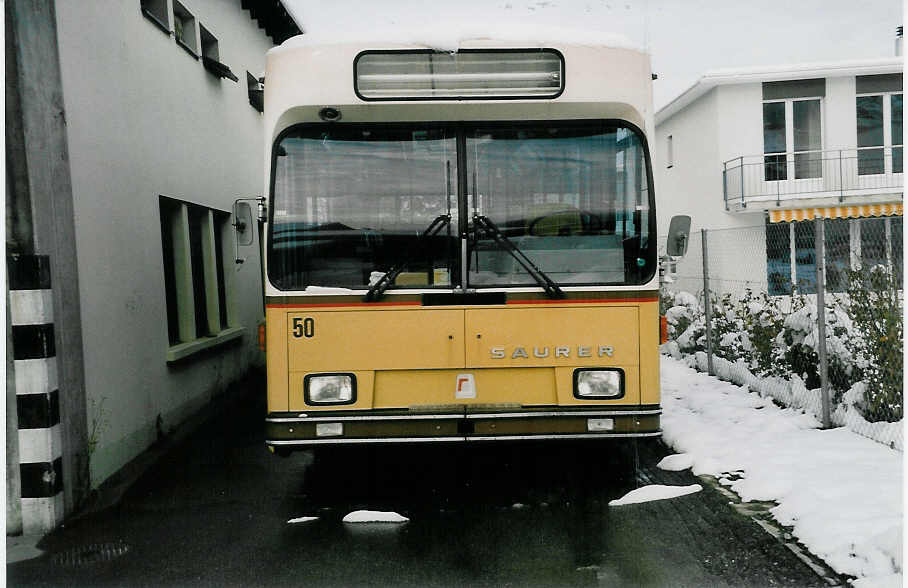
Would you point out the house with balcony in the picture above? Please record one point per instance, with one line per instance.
(778, 147)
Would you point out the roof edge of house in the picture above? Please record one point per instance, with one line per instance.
(774, 73)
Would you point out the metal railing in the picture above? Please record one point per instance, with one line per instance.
(769, 179)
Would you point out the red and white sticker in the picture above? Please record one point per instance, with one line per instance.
(466, 386)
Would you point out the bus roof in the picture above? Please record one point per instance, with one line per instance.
(452, 38)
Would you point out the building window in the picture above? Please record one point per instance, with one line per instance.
(878, 107)
(669, 152)
(256, 92)
(184, 29)
(792, 139)
(879, 130)
(197, 292)
(156, 12)
(849, 244)
(211, 58)
(805, 261)
(896, 109)
(778, 258)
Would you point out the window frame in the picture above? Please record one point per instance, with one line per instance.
(855, 253)
(460, 128)
(790, 153)
(162, 21)
(670, 152)
(887, 145)
(221, 324)
(182, 14)
(454, 97)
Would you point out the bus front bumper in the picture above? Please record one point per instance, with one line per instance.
(288, 430)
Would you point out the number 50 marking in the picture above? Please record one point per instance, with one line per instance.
(304, 327)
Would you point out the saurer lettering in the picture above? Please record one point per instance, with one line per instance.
(520, 352)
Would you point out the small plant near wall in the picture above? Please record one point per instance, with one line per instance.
(98, 425)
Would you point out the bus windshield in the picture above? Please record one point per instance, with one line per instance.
(354, 202)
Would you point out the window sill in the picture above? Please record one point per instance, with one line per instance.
(218, 69)
(187, 48)
(184, 350)
(157, 21)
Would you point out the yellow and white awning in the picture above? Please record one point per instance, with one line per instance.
(860, 211)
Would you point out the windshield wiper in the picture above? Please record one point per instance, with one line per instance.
(551, 288)
(378, 289)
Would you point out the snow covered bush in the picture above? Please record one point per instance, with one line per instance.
(800, 337)
(874, 304)
(730, 339)
(763, 321)
(685, 322)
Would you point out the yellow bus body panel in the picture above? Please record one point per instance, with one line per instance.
(541, 331)
(411, 356)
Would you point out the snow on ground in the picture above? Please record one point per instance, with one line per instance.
(841, 493)
(676, 462)
(374, 516)
(654, 492)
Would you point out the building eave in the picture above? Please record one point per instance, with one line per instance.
(273, 16)
(719, 77)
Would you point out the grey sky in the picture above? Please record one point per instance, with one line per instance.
(685, 37)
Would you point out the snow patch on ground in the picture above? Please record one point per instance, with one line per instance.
(654, 492)
(301, 520)
(841, 493)
(675, 463)
(374, 516)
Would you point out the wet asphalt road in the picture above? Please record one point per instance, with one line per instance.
(214, 512)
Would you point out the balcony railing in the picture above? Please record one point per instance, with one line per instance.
(834, 175)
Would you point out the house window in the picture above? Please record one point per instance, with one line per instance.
(792, 139)
(156, 12)
(669, 152)
(805, 260)
(849, 244)
(792, 129)
(878, 106)
(256, 92)
(837, 243)
(197, 291)
(184, 29)
(211, 57)
(778, 258)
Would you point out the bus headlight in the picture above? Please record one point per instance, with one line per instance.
(330, 388)
(598, 383)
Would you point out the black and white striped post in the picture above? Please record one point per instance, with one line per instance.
(37, 395)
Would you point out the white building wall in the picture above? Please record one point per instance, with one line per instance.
(693, 184)
(146, 119)
(840, 121)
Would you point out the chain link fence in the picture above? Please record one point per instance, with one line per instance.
(809, 313)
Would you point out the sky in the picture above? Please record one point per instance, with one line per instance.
(685, 37)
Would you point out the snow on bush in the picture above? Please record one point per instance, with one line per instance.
(769, 343)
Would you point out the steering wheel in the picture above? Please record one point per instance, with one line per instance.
(579, 222)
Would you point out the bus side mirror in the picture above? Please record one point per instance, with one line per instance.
(678, 236)
(242, 223)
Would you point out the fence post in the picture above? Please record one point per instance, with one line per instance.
(707, 306)
(819, 249)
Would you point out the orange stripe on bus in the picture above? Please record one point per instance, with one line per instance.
(342, 304)
(357, 304)
(596, 301)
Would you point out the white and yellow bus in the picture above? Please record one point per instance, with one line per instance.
(459, 247)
